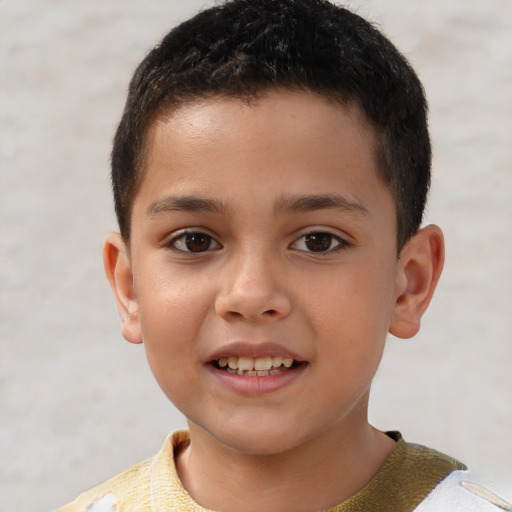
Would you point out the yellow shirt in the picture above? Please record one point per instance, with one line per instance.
(407, 476)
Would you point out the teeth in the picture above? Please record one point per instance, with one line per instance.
(245, 363)
(263, 363)
(277, 361)
(260, 366)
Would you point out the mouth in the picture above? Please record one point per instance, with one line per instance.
(255, 366)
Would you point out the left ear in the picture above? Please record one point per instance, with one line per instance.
(420, 266)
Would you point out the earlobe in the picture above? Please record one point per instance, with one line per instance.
(421, 263)
(118, 269)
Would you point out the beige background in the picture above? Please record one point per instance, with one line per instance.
(77, 404)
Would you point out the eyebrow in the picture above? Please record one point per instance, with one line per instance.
(298, 203)
(187, 204)
(306, 203)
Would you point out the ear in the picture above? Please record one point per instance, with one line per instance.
(116, 260)
(420, 266)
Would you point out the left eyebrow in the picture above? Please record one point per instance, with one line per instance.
(307, 203)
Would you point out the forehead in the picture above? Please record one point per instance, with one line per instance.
(293, 139)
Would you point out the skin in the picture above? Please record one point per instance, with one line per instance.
(253, 179)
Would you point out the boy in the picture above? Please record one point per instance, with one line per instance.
(270, 173)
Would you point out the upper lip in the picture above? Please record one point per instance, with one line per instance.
(254, 350)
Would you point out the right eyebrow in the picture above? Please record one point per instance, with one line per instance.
(187, 204)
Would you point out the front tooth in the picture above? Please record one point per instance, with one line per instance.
(287, 361)
(245, 363)
(263, 363)
(233, 362)
(277, 361)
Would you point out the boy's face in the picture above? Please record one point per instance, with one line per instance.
(264, 231)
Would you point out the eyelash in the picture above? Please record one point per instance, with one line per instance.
(181, 237)
(325, 238)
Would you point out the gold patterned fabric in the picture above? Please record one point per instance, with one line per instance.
(408, 475)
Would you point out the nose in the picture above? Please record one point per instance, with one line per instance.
(253, 289)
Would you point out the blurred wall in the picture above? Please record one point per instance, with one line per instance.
(77, 404)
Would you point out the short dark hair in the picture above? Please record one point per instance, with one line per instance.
(242, 48)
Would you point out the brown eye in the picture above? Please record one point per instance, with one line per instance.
(318, 242)
(198, 242)
(195, 242)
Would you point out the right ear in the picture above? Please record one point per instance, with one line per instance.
(116, 261)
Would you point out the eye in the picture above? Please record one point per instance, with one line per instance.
(194, 242)
(319, 242)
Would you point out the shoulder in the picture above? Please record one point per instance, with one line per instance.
(127, 488)
(150, 485)
(465, 491)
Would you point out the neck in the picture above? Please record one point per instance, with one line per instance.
(318, 475)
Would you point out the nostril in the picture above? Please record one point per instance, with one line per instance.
(238, 304)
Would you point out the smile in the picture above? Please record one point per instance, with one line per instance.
(257, 367)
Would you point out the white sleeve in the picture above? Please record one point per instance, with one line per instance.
(105, 504)
(463, 491)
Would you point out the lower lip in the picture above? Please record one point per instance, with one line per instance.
(251, 385)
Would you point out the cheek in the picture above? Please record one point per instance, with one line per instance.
(358, 292)
(171, 314)
(169, 344)
(351, 313)
(170, 302)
